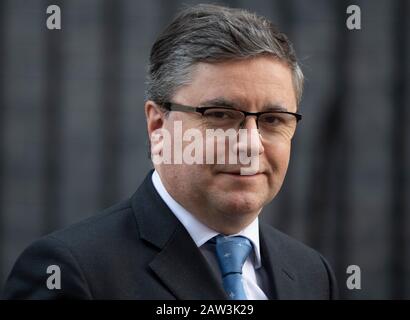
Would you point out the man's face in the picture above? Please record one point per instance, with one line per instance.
(227, 201)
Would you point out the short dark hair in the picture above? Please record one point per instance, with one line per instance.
(212, 33)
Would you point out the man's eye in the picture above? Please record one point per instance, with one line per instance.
(272, 119)
(219, 115)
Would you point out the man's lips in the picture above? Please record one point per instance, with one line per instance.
(238, 173)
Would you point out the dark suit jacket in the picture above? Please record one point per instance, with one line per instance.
(138, 249)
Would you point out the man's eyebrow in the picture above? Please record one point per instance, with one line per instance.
(223, 102)
(274, 107)
(220, 102)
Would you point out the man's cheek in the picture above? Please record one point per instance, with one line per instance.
(278, 158)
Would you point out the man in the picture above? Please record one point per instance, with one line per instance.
(191, 230)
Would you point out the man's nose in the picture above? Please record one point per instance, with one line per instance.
(249, 122)
(251, 141)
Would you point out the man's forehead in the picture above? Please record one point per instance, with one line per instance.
(241, 83)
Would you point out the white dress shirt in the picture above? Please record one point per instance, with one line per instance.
(200, 233)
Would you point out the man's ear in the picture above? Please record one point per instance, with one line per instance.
(155, 123)
(154, 116)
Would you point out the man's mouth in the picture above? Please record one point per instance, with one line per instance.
(238, 173)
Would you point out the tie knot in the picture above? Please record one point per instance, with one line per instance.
(232, 253)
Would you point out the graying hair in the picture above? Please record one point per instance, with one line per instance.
(212, 33)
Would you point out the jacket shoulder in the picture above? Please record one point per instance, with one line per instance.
(81, 252)
(106, 224)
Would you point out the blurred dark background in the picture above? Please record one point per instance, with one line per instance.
(73, 137)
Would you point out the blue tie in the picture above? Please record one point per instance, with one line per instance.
(232, 253)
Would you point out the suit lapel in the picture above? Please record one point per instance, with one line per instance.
(179, 264)
(282, 278)
(184, 270)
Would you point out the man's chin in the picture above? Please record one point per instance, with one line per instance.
(240, 203)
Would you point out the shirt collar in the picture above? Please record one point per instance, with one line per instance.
(198, 231)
